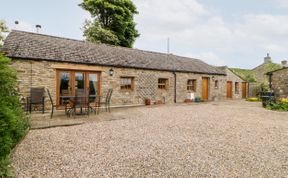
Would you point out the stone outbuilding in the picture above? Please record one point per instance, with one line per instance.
(236, 86)
(63, 65)
(278, 80)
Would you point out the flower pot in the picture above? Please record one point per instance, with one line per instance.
(147, 102)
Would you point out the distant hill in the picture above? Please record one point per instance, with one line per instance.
(258, 73)
(246, 74)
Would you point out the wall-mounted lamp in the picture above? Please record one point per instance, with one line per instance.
(213, 78)
(111, 72)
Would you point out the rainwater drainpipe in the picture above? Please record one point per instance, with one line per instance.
(175, 90)
(31, 75)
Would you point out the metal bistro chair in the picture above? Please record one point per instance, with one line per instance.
(81, 100)
(36, 98)
(107, 100)
(93, 99)
(52, 103)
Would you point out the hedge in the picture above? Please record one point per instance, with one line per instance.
(13, 122)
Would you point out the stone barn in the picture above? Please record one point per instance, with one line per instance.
(63, 65)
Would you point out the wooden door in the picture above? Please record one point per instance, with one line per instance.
(244, 89)
(229, 89)
(205, 88)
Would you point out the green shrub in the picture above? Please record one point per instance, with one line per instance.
(13, 123)
(253, 99)
(278, 106)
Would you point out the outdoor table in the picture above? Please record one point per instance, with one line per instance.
(72, 99)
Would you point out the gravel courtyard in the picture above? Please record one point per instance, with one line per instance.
(222, 139)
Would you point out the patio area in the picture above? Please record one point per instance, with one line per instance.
(219, 139)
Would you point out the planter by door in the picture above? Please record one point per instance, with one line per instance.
(205, 88)
(244, 89)
(229, 89)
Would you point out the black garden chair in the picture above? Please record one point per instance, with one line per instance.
(81, 101)
(107, 100)
(52, 103)
(36, 98)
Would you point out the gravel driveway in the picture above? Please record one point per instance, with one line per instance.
(223, 139)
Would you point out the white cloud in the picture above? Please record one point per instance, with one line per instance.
(282, 3)
(195, 29)
(208, 57)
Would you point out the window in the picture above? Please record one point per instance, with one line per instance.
(236, 87)
(126, 83)
(162, 83)
(216, 85)
(191, 85)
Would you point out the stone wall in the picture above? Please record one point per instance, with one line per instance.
(234, 78)
(280, 83)
(260, 73)
(214, 93)
(38, 73)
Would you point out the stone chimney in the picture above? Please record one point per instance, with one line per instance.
(267, 59)
(284, 63)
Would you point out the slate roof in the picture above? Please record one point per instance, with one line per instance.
(26, 45)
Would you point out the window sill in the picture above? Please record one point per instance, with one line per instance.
(126, 90)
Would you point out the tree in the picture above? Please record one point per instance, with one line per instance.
(112, 22)
(3, 29)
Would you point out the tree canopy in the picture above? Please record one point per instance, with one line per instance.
(3, 29)
(112, 22)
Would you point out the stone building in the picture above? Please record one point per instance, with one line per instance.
(236, 86)
(279, 81)
(64, 65)
(257, 77)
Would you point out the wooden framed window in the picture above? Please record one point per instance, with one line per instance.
(162, 83)
(237, 87)
(127, 83)
(191, 85)
(216, 84)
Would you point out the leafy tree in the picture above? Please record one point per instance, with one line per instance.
(96, 34)
(13, 123)
(3, 29)
(112, 22)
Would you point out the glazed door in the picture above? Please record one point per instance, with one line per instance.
(93, 83)
(64, 89)
(229, 89)
(69, 81)
(205, 88)
(244, 89)
(79, 81)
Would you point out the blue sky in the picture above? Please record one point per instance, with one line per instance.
(220, 32)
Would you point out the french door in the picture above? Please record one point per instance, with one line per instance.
(69, 81)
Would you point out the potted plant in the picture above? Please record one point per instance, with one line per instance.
(147, 101)
(197, 99)
(188, 100)
(158, 102)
